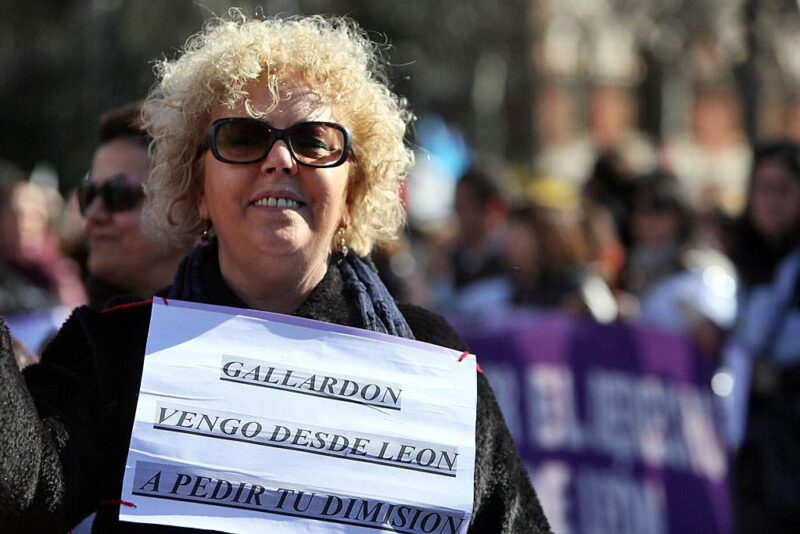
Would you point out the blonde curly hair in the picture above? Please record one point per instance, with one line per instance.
(332, 56)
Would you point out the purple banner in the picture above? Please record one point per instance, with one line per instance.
(34, 329)
(617, 424)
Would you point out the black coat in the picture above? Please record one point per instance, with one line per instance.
(63, 446)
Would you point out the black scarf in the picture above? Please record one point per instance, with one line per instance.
(199, 280)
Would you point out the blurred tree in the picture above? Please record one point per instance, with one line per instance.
(63, 63)
(469, 61)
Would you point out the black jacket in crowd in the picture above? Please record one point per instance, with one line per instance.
(65, 423)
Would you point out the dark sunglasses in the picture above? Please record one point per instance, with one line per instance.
(117, 193)
(246, 140)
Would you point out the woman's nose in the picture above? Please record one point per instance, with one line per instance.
(279, 159)
(96, 209)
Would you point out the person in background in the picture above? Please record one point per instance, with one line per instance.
(763, 350)
(605, 252)
(39, 285)
(474, 264)
(681, 285)
(545, 254)
(19, 292)
(279, 142)
(400, 270)
(122, 257)
(711, 160)
(610, 186)
(37, 276)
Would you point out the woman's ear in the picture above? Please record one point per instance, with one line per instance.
(200, 188)
(344, 222)
(349, 201)
(202, 207)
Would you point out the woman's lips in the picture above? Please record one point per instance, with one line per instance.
(101, 237)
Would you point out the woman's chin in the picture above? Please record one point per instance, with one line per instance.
(279, 247)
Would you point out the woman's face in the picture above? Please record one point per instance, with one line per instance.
(522, 248)
(653, 226)
(775, 200)
(235, 196)
(119, 251)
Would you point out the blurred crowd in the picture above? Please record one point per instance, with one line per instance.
(627, 242)
(623, 246)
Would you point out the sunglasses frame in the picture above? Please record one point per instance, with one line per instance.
(105, 192)
(275, 135)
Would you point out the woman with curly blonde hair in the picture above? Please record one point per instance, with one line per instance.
(279, 145)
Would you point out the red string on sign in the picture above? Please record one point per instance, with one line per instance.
(120, 502)
(464, 355)
(129, 305)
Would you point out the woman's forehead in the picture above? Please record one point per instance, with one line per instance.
(295, 101)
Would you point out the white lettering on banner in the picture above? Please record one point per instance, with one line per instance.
(240, 427)
(604, 500)
(652, 409)
(630, 417)
(505, 383)
(706, 450)
(552, 421)
(552, 480)
(610, 502)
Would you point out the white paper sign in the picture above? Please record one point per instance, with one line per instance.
(255, 422)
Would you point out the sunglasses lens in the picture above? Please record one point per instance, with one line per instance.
(242, 141)
(117, 194)
(317, 144)
(86, 193)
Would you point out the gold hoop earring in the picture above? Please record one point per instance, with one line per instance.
(205, 237)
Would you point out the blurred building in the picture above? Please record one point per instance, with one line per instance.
(686, 84)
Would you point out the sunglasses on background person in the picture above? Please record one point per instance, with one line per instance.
(117, 194)
(246, 140)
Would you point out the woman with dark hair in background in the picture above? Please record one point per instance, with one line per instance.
(544, 259)
(122, 258)
(473, 266)
(545, 254)
(679, 284)
(763, 351)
